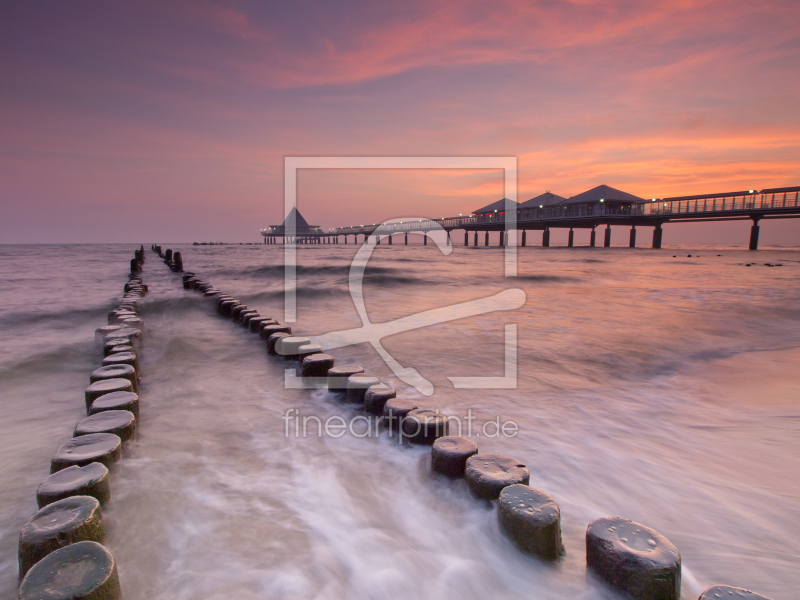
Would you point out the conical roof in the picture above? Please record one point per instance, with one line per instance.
(295, 219)
(503, 205)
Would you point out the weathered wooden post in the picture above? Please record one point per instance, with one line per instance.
(607, 237)
(632, 243)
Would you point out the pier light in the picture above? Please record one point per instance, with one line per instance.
(751, 191)
(653, 200)
(541, 206)
(602, 199)
(495, 210)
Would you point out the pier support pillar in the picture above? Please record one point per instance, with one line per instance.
(502, 239)
(425, 237)
(476, 239)
(390, 239)
(523, 236)
(487, 239)
(571, 240)
(607, 237)
(449, 243)
(406, 239)
(546, 237)
(754, 234)
(466, 239)
(632, 243)
(592, 238)
(657, 233)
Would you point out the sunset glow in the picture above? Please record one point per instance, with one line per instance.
(154, 121)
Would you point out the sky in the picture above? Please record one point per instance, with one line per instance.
(169, 121)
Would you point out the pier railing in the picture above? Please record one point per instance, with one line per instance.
(740, 202)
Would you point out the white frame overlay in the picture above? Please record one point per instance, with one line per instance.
(509, 166)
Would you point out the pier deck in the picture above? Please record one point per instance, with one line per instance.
(776, 203)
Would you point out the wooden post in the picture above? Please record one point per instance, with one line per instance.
(546, 237)
(524, 232)
(487, 238)
(633, 237)
(466, 238)
(592, 238)
(406, 239)
(607, 237)
(571, 241)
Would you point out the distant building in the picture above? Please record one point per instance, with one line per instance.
(294, 224)
(602, 199)
(294, 228)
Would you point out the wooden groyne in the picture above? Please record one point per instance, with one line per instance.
(61, 551)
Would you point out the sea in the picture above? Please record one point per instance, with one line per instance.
(660, 386)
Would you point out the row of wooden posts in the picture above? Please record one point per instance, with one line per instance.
(61, 551)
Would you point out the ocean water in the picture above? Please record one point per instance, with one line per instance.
(660, 389)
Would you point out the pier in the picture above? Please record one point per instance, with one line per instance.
(598, 207)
